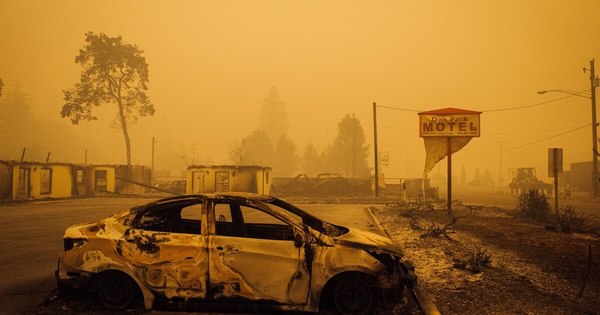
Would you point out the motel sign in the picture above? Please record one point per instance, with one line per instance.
(449, 122)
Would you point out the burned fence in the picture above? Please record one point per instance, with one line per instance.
(322, 185)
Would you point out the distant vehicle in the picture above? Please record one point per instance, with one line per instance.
(235, 248)
(178, 186)
(525, 179)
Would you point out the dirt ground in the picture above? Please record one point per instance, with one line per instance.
(532, 270)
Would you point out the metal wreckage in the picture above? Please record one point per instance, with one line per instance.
(233, 248)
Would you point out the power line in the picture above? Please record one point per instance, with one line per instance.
(528, 106)
(548, 138)
(182, 157)
(523, 132)
(398, 128)
(400, 109)
(491, 110)
(531, 143)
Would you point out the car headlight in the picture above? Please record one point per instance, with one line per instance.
(71, 243)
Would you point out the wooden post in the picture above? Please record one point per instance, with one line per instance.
(555, 170)
(449, 175)
(375, 148)
(152, 165)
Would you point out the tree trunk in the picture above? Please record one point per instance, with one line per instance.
(125, 132)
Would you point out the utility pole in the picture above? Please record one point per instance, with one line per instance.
(449, 154)
(152, 166)
(594, 132)
(376, 152)
(500, 170)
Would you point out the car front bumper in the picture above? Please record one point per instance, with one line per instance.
(66, 276)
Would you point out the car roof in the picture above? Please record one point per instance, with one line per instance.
(219, 195)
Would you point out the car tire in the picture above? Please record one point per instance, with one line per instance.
(117, 291)
(353, 296)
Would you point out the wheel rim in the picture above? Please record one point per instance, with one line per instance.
(353, 296)
(116, 291)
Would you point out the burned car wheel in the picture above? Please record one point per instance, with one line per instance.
(353, 295)
(116, 291)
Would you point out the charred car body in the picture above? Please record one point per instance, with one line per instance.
(240, 248)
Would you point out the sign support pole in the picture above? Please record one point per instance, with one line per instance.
(152, 163)
(449, 175)
(556, 192)
(376, 152)
(447, 122)
(555, 158)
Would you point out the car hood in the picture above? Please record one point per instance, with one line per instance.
(78, 230)
(366, 240)
(108, 228)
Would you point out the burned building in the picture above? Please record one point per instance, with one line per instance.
(38, 180)
(224, 178)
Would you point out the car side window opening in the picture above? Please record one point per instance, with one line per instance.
(259, 224)
(174, 219)
(244, 221)
(224, 220)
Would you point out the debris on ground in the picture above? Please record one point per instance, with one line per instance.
(497, 262)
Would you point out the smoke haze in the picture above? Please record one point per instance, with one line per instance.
(213, 63)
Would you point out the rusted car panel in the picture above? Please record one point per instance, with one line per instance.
(232, 247)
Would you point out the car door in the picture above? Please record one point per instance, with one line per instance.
(253, 255)
(166, 248)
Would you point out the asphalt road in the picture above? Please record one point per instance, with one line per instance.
(31, 239)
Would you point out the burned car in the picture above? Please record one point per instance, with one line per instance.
(233, 248)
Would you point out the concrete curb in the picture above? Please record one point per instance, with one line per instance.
(375, 221)
(424, 299)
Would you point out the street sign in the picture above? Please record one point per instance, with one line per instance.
(446, 131)
(555, 161)
(449, 122)
(384, 158)
(555, 167)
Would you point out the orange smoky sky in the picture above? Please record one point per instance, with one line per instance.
(212, 63)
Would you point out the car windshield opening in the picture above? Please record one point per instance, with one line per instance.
(307, 218)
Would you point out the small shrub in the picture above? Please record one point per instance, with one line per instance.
(435, 231)
(533, 204)
(480, 258)
(572, 221)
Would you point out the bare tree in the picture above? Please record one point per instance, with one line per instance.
(254, 149)
(237, 152)
(113, 72)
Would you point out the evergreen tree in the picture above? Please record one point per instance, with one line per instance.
(18, 125)
(332, 159)
(311, 163)
(286, 158)
(273, 116)
(20, 128)
(350, 150)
